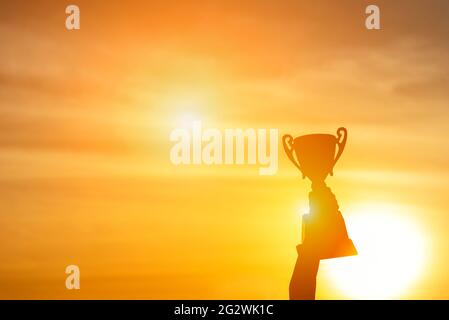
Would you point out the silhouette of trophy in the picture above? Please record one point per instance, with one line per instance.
(324, 233)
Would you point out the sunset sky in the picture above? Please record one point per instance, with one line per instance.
(85, 172)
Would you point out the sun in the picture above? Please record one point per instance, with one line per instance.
(392, 253)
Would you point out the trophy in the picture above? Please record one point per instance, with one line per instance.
(324, 230)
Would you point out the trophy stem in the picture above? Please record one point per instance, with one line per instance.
(319, 185)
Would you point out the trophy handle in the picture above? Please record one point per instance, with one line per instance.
(342, 135)
(287, 140)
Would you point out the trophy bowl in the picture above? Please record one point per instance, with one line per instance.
(315, 153)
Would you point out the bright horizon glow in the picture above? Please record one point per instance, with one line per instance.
(392, 254)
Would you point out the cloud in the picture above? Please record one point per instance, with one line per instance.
(430, 88)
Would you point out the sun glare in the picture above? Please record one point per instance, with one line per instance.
(187, 120)
(392, 253)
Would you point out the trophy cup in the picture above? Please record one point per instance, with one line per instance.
(324, 230)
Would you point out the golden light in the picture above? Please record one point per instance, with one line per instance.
(182, 110)
(392, 254)
(186, 120)
(303, 209)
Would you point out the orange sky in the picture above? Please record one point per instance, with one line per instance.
(85, 116)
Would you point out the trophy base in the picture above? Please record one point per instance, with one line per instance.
(344, 248)
(326, 238)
